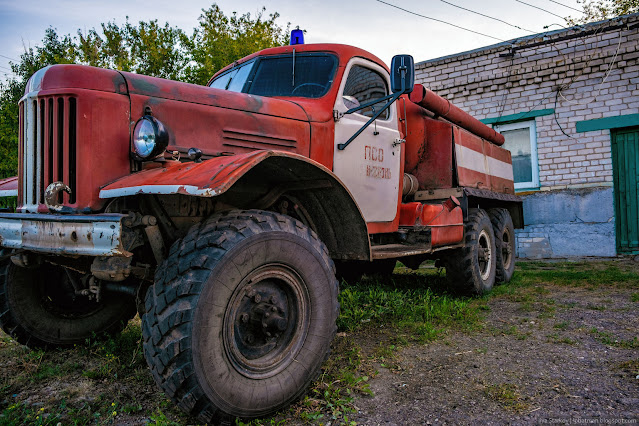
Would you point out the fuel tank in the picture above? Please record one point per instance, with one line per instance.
(446, 147)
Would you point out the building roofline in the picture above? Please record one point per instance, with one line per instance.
(520, 42)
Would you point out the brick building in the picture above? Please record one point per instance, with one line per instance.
(567, 102)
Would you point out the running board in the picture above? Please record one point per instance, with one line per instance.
(390, 251)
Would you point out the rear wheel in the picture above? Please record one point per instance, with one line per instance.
(472, 267)
(41, 309)
(241, 316)
(505, 244)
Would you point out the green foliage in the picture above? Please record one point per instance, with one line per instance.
(25, 414)
(145, 48)
(9, 202)
(404, 303)
(158, 418)
(598, 10)
(219, 40)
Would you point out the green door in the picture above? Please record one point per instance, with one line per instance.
(625, 159)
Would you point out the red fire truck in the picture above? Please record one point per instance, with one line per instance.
(223, 213)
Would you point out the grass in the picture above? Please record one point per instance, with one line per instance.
(631, 367)
(83, 385)
(407, 303)
(557, 338)
(576, 274)
(562, 325)
(507, 394)
(611, 340)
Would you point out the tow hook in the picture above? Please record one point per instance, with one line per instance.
(51, 195)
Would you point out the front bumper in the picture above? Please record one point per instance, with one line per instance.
(83, 235)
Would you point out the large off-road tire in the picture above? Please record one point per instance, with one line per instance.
(472, 267)
(39, 308)
(505, 244)
(241, 316)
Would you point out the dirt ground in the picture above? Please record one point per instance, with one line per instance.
(554, 355)
(542, 353)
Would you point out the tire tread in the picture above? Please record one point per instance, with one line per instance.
(180, 280)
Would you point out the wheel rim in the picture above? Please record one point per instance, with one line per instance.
(506, 248)
(484, 254)
(266, 321)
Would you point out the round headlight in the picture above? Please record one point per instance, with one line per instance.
(150, 138)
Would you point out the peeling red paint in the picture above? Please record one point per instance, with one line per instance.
(206, 179)
(9, 184)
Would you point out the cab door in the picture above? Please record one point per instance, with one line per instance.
(370, 165)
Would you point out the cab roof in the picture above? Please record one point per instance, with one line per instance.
(344, 53)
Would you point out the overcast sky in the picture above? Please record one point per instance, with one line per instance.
(369, 24)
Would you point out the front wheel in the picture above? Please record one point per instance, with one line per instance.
(241, 316)
(472, 268)
(41, 309)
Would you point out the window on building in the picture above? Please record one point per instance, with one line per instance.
(521, 141)
(364, 85)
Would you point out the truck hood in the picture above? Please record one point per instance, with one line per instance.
(193, 93)
(57, 77)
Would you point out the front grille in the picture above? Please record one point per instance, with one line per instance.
(48, 144)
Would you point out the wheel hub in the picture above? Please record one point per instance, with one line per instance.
(484, 254)
(506, 249)
(260, 323)
(266, 321)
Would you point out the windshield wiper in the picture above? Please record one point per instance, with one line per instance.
(293, 85)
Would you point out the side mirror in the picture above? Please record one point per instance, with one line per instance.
(402, 74)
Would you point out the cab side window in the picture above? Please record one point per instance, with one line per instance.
(364, 85)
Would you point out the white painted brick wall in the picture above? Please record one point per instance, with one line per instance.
(598, 75)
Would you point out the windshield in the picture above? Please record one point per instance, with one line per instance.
(304, 75)
(235, 79)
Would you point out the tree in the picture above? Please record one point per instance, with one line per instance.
(146, 48)
(219, 40)
(599, 10)
(54, 50)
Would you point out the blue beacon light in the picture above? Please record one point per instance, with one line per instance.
(297, 36)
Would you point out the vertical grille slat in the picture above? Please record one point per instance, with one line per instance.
(59, 149)
(48, 148)
(72, 150)
(49, 151)
(20, 149)
(42, 131)
(34, 152)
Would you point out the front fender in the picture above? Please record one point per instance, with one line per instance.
(206, 179)
(335, 214)
(9, 187)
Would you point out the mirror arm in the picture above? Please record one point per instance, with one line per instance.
(392, 98)
(367, 104)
